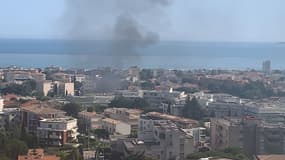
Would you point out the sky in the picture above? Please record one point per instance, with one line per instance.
(183, 20)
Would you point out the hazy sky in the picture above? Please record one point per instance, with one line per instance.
(195, 20)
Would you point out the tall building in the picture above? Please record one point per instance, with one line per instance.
(254, 136)
(266, 67)
(165, 138)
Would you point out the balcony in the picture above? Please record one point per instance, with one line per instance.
(52, 136)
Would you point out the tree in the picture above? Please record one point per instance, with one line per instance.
(90, 109)
(75, 155)
(15, 147)
(192, 109)
(147, 85)
(72, 109)
(146, 74)
(129, 102)
(101, 133)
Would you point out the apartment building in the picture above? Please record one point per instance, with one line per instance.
(129, 116)
(89, 121)
(165, 138)
(57, 131)
(56, 88)
(226, 133)
(115, 127)
(32, 112)
(183, 123)
(255, 136)
(20, 76)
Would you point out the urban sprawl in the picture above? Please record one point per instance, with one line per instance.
(142, 114)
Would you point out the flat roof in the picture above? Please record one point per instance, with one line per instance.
(172, 118)
(40, 108)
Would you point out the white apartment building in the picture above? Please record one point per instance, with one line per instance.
(57, 131)
(170, 140)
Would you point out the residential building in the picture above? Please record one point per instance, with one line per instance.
(45, 87)
(89, 121)
(165, 139)
(266, 67)
(183, 123)
(10, 118)
(226, 133)
(37, 154)
(199, 136)
(129, 116)
(32, 112)
(65, 89)
(116, 127)
(253, 135)
(57, 131)
(20, 76)
(56, 88)
(270, 157)
(1, 104)
(155, 98)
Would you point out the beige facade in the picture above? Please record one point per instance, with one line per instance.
(129, 116)
(116, 127)
(226, 133)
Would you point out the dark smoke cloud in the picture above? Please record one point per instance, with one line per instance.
(124, 23)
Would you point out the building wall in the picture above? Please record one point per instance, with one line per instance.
(123, 129)
(1, 104)
(224, 134)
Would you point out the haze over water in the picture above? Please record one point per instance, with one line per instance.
(167, 54)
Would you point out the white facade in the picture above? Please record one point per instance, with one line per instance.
(57, 131)
(1, 104)
(172, 141)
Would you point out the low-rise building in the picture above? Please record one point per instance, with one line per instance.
(89, 121)
(37, 154)
(129, 116)
(116, 127)
(180, 122)
(20, 76)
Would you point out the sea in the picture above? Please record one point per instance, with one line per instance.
(165, 54)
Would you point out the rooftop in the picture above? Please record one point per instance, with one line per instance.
(55, 120)
(87, 114)
(37, 154)
(41, 108)
(271, 157)
(172, 118)
(112, 121)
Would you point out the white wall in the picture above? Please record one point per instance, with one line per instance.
(123, 129)
(1, 104)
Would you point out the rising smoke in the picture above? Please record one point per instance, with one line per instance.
(125, 24)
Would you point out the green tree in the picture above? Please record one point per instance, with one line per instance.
(101, 133)
(15, 147)
(75, 155)
(192, 109)
(121, 101)
(72, 109)
(146, 74)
